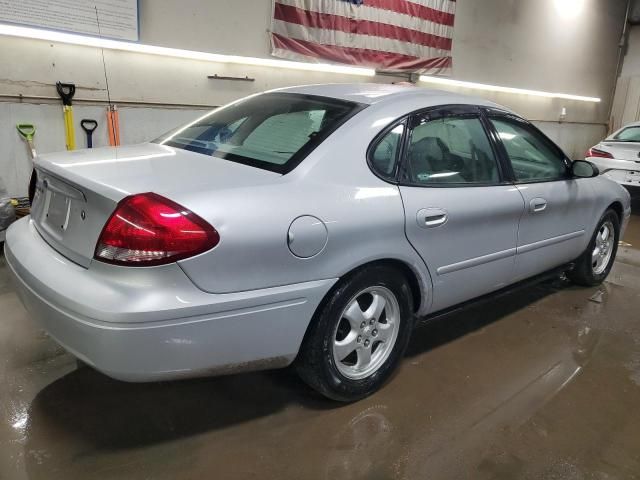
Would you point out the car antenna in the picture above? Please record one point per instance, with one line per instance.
(110, 125)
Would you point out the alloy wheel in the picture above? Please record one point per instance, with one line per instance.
(603, 248)
(366, 332)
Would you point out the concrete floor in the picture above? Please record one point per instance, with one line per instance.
(543, 383)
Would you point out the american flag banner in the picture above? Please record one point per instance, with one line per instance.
(390, 35)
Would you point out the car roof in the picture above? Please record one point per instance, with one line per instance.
(376, 93)
(613, 134)
(634, 124)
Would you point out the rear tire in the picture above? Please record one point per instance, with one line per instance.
(358, 335)
(594, 265)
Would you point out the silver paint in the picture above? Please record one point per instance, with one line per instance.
(250, 299)
(307, 236)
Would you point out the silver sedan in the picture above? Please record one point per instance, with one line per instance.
(309, 225)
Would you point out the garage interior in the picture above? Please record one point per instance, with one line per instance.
(539, 382)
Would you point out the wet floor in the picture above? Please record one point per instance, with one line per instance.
(543, 383)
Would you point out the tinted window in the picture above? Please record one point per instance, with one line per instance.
(630, 134)
(271, 131)
(450, 150)
(385, 154)
(531, 155)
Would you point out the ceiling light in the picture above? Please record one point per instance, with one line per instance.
(496, 88)
(25, 32)
(569, 8)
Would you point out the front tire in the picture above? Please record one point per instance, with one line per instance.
(358, 335)
(596, 262)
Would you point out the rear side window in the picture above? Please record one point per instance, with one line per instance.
(630, 134)
(273, 131)
(532, 157)
(384, 156)
(452, 150)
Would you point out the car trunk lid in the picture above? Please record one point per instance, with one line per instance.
(68, 216)
(622, 150)
(78, 191)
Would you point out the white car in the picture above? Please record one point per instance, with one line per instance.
(618, 156)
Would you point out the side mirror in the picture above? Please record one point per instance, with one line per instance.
(584, 169)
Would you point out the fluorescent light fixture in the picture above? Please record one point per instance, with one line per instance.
(69, 38)
(495, 88)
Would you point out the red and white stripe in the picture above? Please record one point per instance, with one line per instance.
(401, 35)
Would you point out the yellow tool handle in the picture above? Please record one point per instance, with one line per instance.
(70, 133)
(66, 127)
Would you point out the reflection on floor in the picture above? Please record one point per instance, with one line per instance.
(543, 383)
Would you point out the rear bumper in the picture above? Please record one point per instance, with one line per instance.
(148, 324)
(624, 172)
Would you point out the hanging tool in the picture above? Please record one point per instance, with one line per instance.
(66, 92)
(89, 127)
(27, 131)
(113, 125)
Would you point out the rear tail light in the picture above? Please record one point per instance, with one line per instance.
(148, 229)
(594, 152)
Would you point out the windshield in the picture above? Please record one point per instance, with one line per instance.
(630, 134)
(273, 131)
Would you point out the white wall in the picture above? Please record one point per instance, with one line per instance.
(626, 105)
(135, 126)
(520, 43)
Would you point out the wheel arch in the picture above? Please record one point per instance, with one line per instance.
(416, 284)
(417, 292)
(618, 208)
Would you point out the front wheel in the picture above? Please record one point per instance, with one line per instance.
(596, 262)
(358, 335)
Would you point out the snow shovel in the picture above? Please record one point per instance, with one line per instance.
(27, 131)
(66, 92)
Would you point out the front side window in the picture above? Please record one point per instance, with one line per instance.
(452, 150)
(629, 134)
(532, 158)
(274, 131)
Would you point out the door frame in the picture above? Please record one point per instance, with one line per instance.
(399, 179)
(505, 170)
(488, 112)
(525, 247)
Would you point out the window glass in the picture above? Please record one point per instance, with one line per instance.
(451, 150)
(280, 136)
(532, 158)
(631, 134)
(385, 155)
(266, 131)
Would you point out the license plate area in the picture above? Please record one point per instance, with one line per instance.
(55, 204)
(58, 210)
(633, 177)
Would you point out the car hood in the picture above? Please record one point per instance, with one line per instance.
(118, 172)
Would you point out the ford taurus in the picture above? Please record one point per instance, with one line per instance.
(307, 226)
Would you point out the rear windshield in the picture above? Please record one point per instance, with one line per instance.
(631, 134)
(273, 131)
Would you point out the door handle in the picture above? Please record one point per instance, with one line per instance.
(432, 217)
(538, 205)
